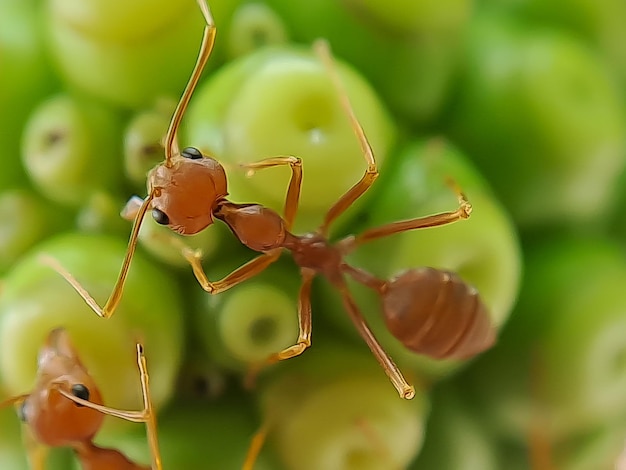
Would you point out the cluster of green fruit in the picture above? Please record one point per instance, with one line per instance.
(520, 102)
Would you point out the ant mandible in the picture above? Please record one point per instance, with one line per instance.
(65, 409)
(430, 311)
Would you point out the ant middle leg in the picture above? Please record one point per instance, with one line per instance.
(462, 212)
(304, 325)
(371, 173)
(295, 183)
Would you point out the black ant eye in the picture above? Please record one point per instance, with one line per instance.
(160, 217)
(21, 412)
(80, 391)
(192, 153)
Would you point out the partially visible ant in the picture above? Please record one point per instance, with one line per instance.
(65, 409)
(430, 311)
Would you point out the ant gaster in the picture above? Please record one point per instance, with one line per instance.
(65, 409)
(430, 311)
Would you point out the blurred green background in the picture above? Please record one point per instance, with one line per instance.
(519, 101)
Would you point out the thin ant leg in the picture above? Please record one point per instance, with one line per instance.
(116, 295)
(36, 453)
(147, 415)
(208, 40)
(243, 273)
(371, 173)
(399, 382)
(304, 325)
(13, 400)
(462, 212)
(295, 183)
(255, 447)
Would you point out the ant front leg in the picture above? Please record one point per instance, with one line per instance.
(462, 212)
(147, 415)
(304, 336)
(295, 183)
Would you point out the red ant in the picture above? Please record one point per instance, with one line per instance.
(430, 311)
(65, 409)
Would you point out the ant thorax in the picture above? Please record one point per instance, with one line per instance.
(258, 227)
(314, 251)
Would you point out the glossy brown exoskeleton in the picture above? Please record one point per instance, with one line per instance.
(65, 409)
(431, 312)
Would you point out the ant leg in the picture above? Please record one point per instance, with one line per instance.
(462, 212)
(116, 295)
(36, 453)
(248, 270)
(13, 401)
(371, 173)
(208, 40)
(295, 183)
(147, 415)
(255, 447)
(304, 324)
(399, 382)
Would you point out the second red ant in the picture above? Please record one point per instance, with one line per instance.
(65, 409)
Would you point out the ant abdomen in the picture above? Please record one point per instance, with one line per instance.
(434, 312)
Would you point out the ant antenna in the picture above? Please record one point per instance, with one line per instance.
(208, 40)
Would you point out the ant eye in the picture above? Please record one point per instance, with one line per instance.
(80, 391)
(192, 153)
(21, 412)
(160, 217)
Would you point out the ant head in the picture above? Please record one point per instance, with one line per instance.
(187, 191)
(54, 419)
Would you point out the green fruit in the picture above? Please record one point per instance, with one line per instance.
(100, 213)
(201, 435)
(408, 52)
(455, 439)
(70, 148)
(246, 324)
(253, 26)
(30, 222)
(414, 17)
(281, 102)
(541, 116)
(131, 74)
(344, 414)
(117, 21)
(143, 141)
(560, 362)
(35, 299)
(25, 79)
